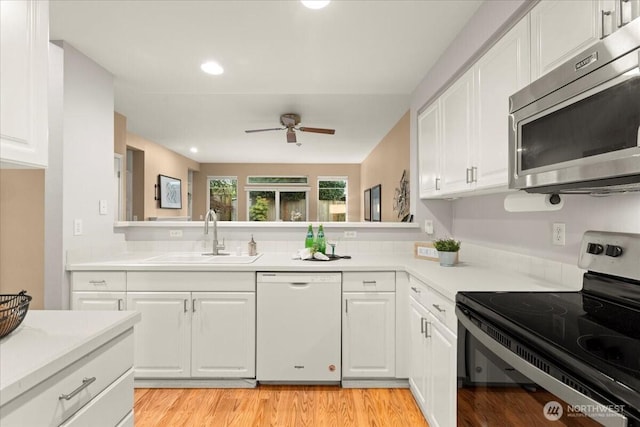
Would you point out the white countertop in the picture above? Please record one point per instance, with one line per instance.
(446, 280)
(49, 340)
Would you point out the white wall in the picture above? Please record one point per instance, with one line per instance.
(482, 219)
(83, 161)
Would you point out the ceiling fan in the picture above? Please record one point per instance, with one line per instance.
(290, 122)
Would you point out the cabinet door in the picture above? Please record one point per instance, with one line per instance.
(109, 301)
(24, 44)
(163, 337)
(498, 74)
(455, 147)
(417, 370)
(441, 378)
(429, 150)
(368, 335)
(223, 334)
(561, 29)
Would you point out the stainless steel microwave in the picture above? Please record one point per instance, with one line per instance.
(577, 128)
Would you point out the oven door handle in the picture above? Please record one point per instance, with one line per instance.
(607, 417)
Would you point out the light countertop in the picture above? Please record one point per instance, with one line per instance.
(446, 280)
(49, 340)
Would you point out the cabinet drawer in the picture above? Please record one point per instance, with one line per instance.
(205, 281)
(419, 291)
(365, 281)
(99, 281)
(443, 309)
(106, 364)
(108, 408)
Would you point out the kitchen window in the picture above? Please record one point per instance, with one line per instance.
(223, 197)
(277, 204)
(332, 199)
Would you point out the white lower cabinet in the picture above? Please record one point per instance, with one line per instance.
(194, 334)
(163, 337)
(368, 335)
(432, 377)
(223, 341)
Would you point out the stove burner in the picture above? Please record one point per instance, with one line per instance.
(612, 349)
(527, 305)
(590, 304)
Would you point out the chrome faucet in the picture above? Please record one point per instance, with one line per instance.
(211, 215)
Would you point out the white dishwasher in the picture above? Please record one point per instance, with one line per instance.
(298, 327)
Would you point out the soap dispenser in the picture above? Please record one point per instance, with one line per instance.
(253, 247)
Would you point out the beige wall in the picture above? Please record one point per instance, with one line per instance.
(22, 233)
(161, 161)
(120, 134)
(384, 165)
(313, 171)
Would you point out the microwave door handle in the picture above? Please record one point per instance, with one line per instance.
(603, 13)
(621, 22)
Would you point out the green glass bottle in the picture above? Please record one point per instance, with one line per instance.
(308, 242)
(321, 240)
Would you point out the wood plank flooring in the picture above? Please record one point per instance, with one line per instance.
(281, 406)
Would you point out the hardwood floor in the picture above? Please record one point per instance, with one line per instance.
(281, 406)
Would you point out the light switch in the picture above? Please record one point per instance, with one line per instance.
(77, 227)
(103, 207)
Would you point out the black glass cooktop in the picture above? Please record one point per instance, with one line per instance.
(599, 333)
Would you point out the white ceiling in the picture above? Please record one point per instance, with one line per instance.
(351, 66)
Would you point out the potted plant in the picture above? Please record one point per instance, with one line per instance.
(447, 251)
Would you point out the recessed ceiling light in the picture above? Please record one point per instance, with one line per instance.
(315, 4)
(193, 149)
(212, 67)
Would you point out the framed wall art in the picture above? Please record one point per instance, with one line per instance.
(376, 208)
(367, 204)
(170, 192)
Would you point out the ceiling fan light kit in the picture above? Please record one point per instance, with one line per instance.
(290, 121)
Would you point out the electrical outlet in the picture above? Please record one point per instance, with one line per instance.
(102, 207)
(175, 233)
(77, 227)
(428, 226)
(350, 234)
(558, 234)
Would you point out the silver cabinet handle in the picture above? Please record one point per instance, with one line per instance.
(603, 13)
(85, 383)
(416, 290)
(120, 304)
(426, 330)
(474, 174)
(468, 177)
(193, 305)
(97, 282)
(369, 282)
(437, 184)
(437, 307)
(621, 22)
(346, 306)
(185, 306)
(422, 319)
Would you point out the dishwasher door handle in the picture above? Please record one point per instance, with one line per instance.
(299, 284)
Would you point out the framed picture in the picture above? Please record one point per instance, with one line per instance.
(170, 192)
(376, 209)
(367, 204)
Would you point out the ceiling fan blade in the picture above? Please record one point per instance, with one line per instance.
(291, 135)
(262, 130)
(318, 130)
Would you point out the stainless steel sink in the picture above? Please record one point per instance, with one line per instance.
(201, 258)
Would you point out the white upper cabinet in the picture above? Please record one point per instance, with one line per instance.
(455, 146)
(463, 135)
(24, 44)
(429, 150)
(562, 29)
(501, 72)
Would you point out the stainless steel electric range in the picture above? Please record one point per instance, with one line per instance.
(581, 348)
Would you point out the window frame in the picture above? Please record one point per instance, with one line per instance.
(278, 190)
(219, 178)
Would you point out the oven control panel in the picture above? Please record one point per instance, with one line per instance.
(617, 254)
